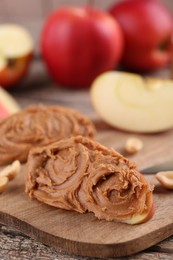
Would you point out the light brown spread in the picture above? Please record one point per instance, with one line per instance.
(81, 175)
(38, 126)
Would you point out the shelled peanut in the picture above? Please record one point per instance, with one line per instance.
(8, 174)
(165, 179)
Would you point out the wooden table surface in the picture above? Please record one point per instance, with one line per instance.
(38, 88)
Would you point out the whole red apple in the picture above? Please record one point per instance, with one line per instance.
(148, 29)
(79, 43)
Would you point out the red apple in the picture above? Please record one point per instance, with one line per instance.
(79, 43)
(148, 28)
(8, 104)
(16, 47)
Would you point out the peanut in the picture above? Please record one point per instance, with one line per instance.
(166, 179)
(133, 145)
(8, 174)
(11, 170)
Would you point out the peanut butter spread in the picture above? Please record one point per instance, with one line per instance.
(81, 175)
(38, 126)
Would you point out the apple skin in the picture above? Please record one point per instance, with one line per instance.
(79, 43)
(148, 28)
(146, 215)
(3, 112)
(16, 48)
(8, 105)
(13, 73)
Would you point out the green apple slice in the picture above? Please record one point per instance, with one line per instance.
(133, 103)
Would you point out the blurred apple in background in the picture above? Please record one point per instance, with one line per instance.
(79, 43)
(16, 48)
(148, 29)
(8, 104)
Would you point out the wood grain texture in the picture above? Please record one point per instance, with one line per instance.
(83, 234)
(14, 246)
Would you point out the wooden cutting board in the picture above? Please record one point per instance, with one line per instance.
(83, 234)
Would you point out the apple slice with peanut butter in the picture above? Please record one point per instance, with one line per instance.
(81, 175)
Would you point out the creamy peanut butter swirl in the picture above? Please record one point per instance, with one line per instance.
(81, 175)
(38, 126)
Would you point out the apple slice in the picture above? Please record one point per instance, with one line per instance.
(146, 215)
(8, 105)
(16, 48)
(133, 103)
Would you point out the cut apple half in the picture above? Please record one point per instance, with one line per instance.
(15, 41)
(16, 48)
(133, 103)
(8, 105)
